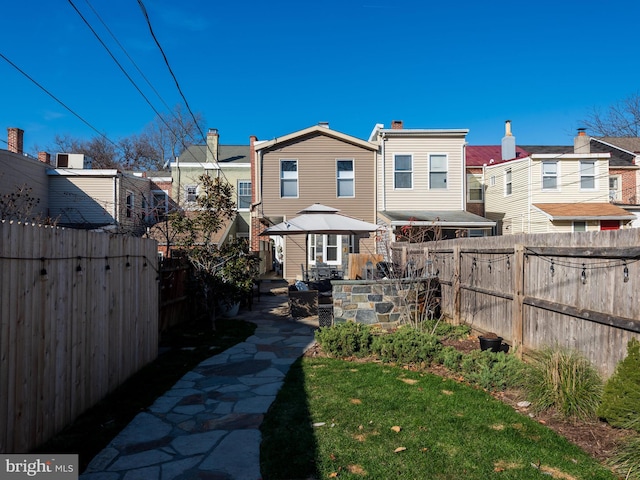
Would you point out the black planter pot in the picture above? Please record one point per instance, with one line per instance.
(493, 344)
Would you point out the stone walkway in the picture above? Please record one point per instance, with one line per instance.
(207, 426)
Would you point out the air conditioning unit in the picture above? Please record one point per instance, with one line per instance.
(77, 161)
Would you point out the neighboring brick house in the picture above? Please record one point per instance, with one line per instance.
(299, 169)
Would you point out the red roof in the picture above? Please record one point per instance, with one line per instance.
(478, 155)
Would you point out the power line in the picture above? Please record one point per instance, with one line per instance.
(56, 99)
(128, 56)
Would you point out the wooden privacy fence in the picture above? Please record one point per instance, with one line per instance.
(78, 316)
(572, 290)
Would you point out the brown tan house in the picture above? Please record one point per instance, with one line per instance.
(292, 172)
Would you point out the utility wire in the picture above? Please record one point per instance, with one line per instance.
(57, 99)
(129, 56)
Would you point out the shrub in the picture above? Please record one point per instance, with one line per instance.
(621, 396)
(493, 371)
(406, 345)
(444, 330)
(345, 339)
(626, 458)
(563, 379)
(450, 357)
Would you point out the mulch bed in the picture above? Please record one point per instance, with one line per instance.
(596, 438)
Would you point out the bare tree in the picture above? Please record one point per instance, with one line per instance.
(171, 133)
(622, 119)
(162, 140)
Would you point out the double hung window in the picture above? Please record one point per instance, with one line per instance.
(288, 178)
(402, 171)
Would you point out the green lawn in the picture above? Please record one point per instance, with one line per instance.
(446, 430)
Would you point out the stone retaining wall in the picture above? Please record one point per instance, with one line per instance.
(375, 301)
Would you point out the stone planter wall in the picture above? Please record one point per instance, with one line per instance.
(375, 301)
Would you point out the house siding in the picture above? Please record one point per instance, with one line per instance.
(17, 171)
(316, 155)
(421, 196)
(511, 211)
(569, 190)
(83, 200)
(515, 212)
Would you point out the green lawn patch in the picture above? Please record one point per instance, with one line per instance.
(381, 421)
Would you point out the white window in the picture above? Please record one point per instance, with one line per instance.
(579, 226)
(345, 178)
(549, 175)
(325, 249)
(244, 194)
(508, 187)
(191, 193)
(587, 174)
(130, 203)
(288, 178)
(615, 191)
(492, 181)
(402, 171)
(475, 190)
(437, 171)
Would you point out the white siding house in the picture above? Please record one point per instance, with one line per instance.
(421, 182)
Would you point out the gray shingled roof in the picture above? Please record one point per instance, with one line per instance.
(227, 154)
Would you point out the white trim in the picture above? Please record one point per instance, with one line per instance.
(446, 158)
(297, 195)
(353, 177)
(70, 172)
(393, 173)
(570, 156)
(557, 176)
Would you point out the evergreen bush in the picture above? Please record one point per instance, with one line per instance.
(492, 371)
(406, 345)
(345, 339)
(621, 396)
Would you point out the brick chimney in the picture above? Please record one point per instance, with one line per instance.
(44, 157)
(15, 137)
(508, 142)
(213, 144)
(396, 124)
(582, 142)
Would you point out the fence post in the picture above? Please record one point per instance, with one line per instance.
(456, 285)
(518, 297)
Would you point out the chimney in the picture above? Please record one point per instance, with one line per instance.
(581, 142)
(44, 157)
(15, 138)
(324, 124)
(213, 139)
(508, 142)
(396, 125)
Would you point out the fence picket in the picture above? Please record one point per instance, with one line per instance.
(69, 338)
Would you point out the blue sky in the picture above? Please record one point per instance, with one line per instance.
(271, 68)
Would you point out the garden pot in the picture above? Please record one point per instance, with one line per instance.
(490, 343)
(504, 348)
(228, 311)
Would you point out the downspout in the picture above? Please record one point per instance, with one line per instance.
(530, 193)
(383, 138)
(116, 203)
(464, 177)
